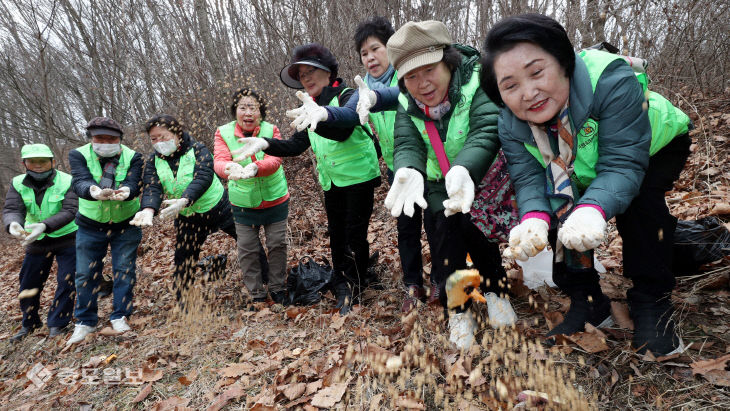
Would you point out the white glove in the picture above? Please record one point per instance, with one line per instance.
(460, 188)
(36, 229)
(527, 239)
(584, 229)
(143, 218)
(100, 194)
(174, 206)
(407, 190)
(235, 171)
(367, 99)
(16, 230)
(501, 313)
(120, 195)
(251, 146)
(308, 115)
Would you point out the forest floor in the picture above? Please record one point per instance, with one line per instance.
(239, 356)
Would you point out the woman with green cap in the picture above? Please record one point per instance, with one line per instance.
(40, 209)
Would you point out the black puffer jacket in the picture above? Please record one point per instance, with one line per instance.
(14, 211)
(203, 173)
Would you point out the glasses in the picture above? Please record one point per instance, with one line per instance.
(307, 74)
(248, 108)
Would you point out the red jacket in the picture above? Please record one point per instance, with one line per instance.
(267, 166)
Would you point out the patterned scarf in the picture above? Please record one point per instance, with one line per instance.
(559, 166)
(437, 111)
(559, 188)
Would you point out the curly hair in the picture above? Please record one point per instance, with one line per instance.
(378, 27)
(247, 92)
(167, 122)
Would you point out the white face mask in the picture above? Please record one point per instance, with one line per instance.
(107, 150)
(166, 147)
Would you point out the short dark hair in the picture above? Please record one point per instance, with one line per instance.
(246, 92)
(543, 31)
(165, 121)
(378, 27)
(452, 59)
(317, 52)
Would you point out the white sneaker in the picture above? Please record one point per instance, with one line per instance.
(80, 333)
(462, 327)
(120, 325)
(500, 311)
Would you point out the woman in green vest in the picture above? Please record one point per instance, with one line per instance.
(259, 197)
(181, 169)
(377, 100)
(586, 142)
(347, 164)
(445, 128)
(39, 210)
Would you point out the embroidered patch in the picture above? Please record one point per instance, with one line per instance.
(590, 128)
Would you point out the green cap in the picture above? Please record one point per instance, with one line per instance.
(35, 150)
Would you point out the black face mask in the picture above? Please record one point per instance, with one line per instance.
(39, 176)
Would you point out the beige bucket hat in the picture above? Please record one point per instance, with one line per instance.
(416, 44)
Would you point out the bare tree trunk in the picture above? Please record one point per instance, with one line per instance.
(204, 28)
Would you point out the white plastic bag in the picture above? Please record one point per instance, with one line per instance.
(538, 270)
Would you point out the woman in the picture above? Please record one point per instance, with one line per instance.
(579, 125)
(259, 196)
(347, 164)
(379, 102)
(444, 129)
(181, 168)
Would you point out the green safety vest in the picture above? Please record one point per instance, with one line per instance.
(108, 210)
(384, 123)
(666, 121)
(458, 126)
(251, 192)
(51, 204)
(175, 185)
(348, 162)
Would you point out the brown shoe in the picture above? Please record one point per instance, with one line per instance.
(414, 295)
(433, 296)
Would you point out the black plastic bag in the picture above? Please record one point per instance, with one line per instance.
(213, 267)
(308, 281)
(698, 242)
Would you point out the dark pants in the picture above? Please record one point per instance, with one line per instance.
(647, 231)
(348, 216)
(454, 237)
(409, 243)
(34, 273)
(190, 234)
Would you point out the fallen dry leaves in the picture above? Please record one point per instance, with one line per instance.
(620, 314)
(329, 396)
(714, 370)
(302, 358)
(234, 392)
